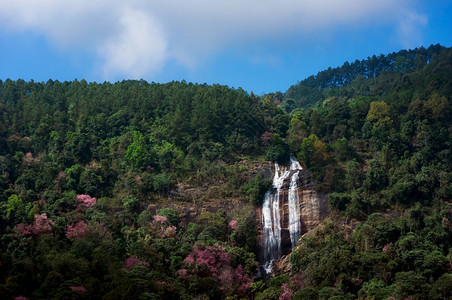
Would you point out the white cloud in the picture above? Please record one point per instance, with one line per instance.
(136, 38)
(410, 28)
(138, 48)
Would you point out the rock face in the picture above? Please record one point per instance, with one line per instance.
(313, 209)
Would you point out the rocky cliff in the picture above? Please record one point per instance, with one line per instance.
(313, 209)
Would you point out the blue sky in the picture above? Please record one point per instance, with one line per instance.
(259, 45)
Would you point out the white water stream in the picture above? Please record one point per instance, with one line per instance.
(294, 203)
(271, 213)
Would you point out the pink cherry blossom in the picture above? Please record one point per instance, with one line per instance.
(40, 225)
(183, 273)
(212, 258)
(84, 201)
(169, 231)
(78, 289)
(138, 180)
(233, 225)
(76, 231)
(160, 219)
(287, 293)
(132, 261)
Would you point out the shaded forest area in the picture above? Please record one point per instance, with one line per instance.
(80, 162)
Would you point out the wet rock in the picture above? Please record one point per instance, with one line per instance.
(313, 210)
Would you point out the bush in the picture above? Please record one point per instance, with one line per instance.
(161, 182)
(306, 294)
(256, 189)
(278, 150)
(339, 201)
(171, 214)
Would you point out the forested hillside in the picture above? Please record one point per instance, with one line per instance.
(80, 163)
(329, 83)
(382, 149)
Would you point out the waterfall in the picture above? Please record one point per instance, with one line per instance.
(271, 219)
(294, 203)
(271, 213)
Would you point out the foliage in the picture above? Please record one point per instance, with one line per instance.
(278, 150)
(256, 188)
(95, 179)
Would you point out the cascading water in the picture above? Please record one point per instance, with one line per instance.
(294, 203)
(271, 219)
(271, 213)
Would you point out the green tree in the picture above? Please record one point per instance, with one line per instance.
(14, 208)
(137, 152)
(278, 150)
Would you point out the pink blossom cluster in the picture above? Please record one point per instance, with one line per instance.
(214, 261)
(84, 202)
(287, 293)
(20, 298)
(388, 249)
(297, 281)
(42, 201)
(266, 137)
(132, 261)
(211, 258)
(138, 180)
(169, 231)
(233, 225)
(242, 280)
(76, 231)
(61, 176)
(78, 289)
(446, 223)
(28, 159)
(40, 225)
(226, 279)
(160, 219)
(183, 273)
(161, 227)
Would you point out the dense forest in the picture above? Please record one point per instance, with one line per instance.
(81, 163)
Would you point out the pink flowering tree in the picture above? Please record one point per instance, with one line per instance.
(389, 250)
(296, 282)
(77, 230)
(41, 224)
(78, 289)
(242, 281)
(132, 261)
(208, 260)
(287, 292)
(266, 138)
(83, 202)
(160, 225)
(233, 225)
(214, 261)
(446, 223)
(138, 180)
(168, 232)
(28, 158)
(160, 219)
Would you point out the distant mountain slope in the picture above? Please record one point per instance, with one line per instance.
(311, 91)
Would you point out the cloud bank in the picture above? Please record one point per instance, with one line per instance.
(137, 38)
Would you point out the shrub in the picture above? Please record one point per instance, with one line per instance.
(256, 188)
